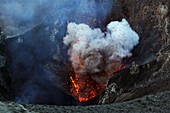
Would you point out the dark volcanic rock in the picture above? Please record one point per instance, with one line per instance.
(148, 18)
(149, 71)
(159, 103)
(13, 108)
(4, 78)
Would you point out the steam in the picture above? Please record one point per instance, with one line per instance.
(92, 51)
(18, 16)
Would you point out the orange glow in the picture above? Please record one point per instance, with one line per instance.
(84, 88)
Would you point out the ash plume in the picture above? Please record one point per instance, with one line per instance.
(92, 51)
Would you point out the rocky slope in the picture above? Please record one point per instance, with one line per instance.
(147, 71)
(4, 78)
(158, 103)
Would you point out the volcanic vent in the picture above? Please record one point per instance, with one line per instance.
(96, 55)
(65, 57)
(38, 62)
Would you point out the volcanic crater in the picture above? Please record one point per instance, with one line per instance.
(37, 68)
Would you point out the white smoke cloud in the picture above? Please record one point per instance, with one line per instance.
(92, 51)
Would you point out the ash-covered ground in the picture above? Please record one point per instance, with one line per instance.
(146, 74)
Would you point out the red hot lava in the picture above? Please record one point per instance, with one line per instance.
(95, 55)
(84, 87)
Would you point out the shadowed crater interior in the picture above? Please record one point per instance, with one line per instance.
(38, 61)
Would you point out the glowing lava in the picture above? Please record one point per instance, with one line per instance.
(84, 88)
(96, 55)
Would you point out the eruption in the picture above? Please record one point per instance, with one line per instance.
(95, 55)
(35, 28)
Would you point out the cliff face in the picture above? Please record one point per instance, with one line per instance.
(4, 79)
(149, 71)
(151, 20)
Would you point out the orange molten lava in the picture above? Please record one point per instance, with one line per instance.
(84, 88)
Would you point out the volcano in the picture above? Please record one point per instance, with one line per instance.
(39, 66)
